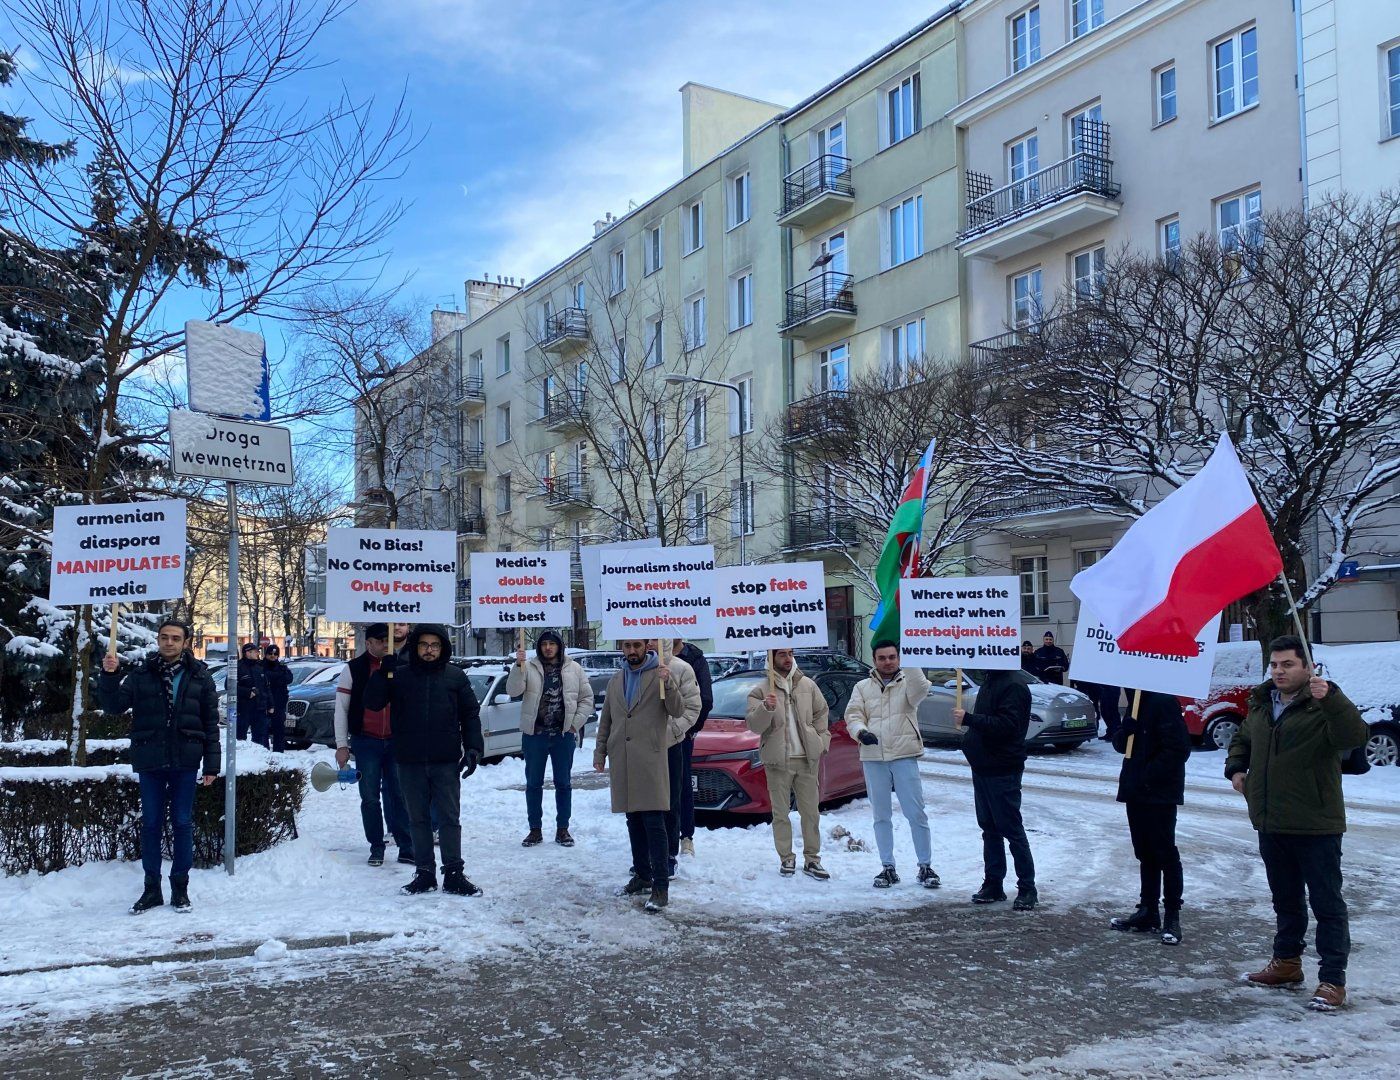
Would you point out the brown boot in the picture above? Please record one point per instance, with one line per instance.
(1278, 973)
(1328, 997)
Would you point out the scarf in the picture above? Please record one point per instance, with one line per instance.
(632, 678)
(792, 736)
(167, 672)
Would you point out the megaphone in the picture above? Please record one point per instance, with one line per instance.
(324, 776)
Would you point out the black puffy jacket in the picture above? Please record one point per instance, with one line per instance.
(437, 718)
(156, 742)
(254, 691)
(279, 680)
(995, 740)
(1156, 773)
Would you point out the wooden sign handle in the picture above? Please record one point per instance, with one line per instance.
(1137, 700)
(769, 665)
(661, 659)
(112, 637)
(957, 675)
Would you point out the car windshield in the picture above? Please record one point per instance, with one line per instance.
(481, 683)
(976, 676)
(324, 673)
(732, 693)
(302, 672)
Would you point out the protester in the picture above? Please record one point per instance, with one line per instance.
(174, 708)
(367, 734)
(437, 736)
(1286, 761)
(994, 743)
(1106, 699)
(279, 679)
(1151, 785)
(254, 695)
(556, 703)
(1028, 660)
(1052, 661)
(637, 728)
(883, 716)
(789, 714)
(682, 793)
(688, 683)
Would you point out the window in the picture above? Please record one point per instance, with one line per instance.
(738, 199)
(580, 296)
(903, 110)
(503, 493)
(741, 416)
(1035, 586)
(619, 367)
(1084, 15)
(1086, 271)
(1026, 299)
(1087, 557)
(656, 343)
(906, 349)
(830, 140)
(697, 518)
(1236, 65)
(905, 231)
(693, 232)
(544, 538)
(1022, 164)
(1164, 90)
(546, 470)
(547, 388)
(617, 271)
(695, 422)
(546, 317)
(834, 369)
(1392, 89)
(1169, 240)
(651, 254)
(695, 322)
(502, 424)
(740, 300)
(1025, 38)
(741, 508)
(1078, 144)
(621, 449)
(654, 431)
(476, 366)
(1237, 220)
(503, 355)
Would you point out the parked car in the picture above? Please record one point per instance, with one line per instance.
(1062, 718)
(727, 775)
(721, 665)
(813, 661)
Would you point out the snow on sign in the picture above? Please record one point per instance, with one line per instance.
(218, 449)
(227, 371)
(372, 574)
(657, 592)
(118, 553)
(770, 606)
(520, 588)
(971, 622)
(1096, 658)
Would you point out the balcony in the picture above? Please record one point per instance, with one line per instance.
(1001, 355)
(809, 530)
(472, 458)
(820, 305)
(472, 525)
(1039, 512)
(565, 330)
(470, 391)
(1075, 333)
(816, 415)
(567, 491)
(566, 409)
(817, 192)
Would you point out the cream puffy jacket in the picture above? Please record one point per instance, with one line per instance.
(891, 711)
(529, 681)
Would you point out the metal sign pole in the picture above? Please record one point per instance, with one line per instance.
(231, 686)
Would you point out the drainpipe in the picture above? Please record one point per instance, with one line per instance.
(1302, 101)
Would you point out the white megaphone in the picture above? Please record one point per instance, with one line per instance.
(324, 776)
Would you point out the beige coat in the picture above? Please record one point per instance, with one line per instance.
(529, 681)
(891, 712)
(810, 710)
(689, 686)
(633, 742)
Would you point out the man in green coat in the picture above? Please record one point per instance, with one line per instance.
(1286, 761)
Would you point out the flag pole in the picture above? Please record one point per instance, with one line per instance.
(661, 659)
(957, 674)
(112, 637)
(1297, 620)
(1137, 700)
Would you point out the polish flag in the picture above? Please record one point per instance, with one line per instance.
(1200, 549)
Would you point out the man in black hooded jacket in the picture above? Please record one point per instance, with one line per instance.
(436, 735)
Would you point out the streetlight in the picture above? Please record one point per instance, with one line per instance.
(675, 379)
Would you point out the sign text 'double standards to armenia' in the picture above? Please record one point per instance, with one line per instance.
(374, 575)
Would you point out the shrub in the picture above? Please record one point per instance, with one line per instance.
(35, 753)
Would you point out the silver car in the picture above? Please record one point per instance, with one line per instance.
(500, 713)
(1061, 717)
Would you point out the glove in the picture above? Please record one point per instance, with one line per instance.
(389, 663)
(470, 760)
(868, 738)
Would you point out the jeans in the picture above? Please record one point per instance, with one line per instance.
(901, 775)
(801, 778)
(1153, 829)
(998, 803)
(260, 722)
(682, 785)
(374, 758)
(433, 790)
(1295, 863)
(277, 729)
(646, 829)
(558, 751)
(167, 791)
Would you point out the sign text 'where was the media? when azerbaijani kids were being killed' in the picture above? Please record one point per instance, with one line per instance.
(972, 622)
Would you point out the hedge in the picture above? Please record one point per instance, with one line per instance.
(52, 818)
(32, 753)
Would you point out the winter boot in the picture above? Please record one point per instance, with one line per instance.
(456, 883)
(1328, 997)
(424, 881)
(1171, 927)
(1026, 899)
(406, 858)
(688, 846)
(635, 886)
(1145, 918)
(532, 838)
(928, 877)
(150, 898)
(660, 896)
(563, 838)
(886, 877)
(180, 893)
(813, 868)
(788, 866)
(989, 894)
(1285, 973)
(376, 858)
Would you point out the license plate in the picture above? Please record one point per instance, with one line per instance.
(694, 782)
(1080, 723)
(289, 724)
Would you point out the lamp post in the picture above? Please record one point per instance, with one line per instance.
(676, 379)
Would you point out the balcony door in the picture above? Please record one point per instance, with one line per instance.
(1022, 163)
(834, 370)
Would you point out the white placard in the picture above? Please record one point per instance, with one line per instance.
(226, 369)
(216, 448)
(657, 592)
(520, 588)
(592, 581)
(770, 606)
(970, 622)
(1097, 659)
(118, 553)
(375, 575)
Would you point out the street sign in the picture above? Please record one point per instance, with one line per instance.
(315, 590)
(227, 371)
(216, 448)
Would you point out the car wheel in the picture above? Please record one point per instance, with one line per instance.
(1383, 747)
(1222, 732)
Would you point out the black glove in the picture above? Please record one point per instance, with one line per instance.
(470, 760)
(867, 738)
(389, 662)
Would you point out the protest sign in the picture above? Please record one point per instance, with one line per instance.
(520, 588)
(972, 622)
(588, 556)
(770, 606)
(1096, 658)
(403, 575)
(657, 592)
(118, 553)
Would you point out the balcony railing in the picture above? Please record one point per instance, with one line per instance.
(815, 415)
(470, 388)
(566, 408)
(1086, 171)
(563, 328)
(829, 293)
(564, 489)
(472, 458)
(828, 175)
(1073, 333)
(472, 524)
(1036, 503)
(821, 528)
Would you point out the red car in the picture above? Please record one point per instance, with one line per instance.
(727, 776)
(1214, 719)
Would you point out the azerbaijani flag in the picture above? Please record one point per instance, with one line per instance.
(899, 557)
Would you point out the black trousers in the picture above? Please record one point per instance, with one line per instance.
(646, 829)
(998, 803)
(1153, 829)
(433, 792)
(1296, 864)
